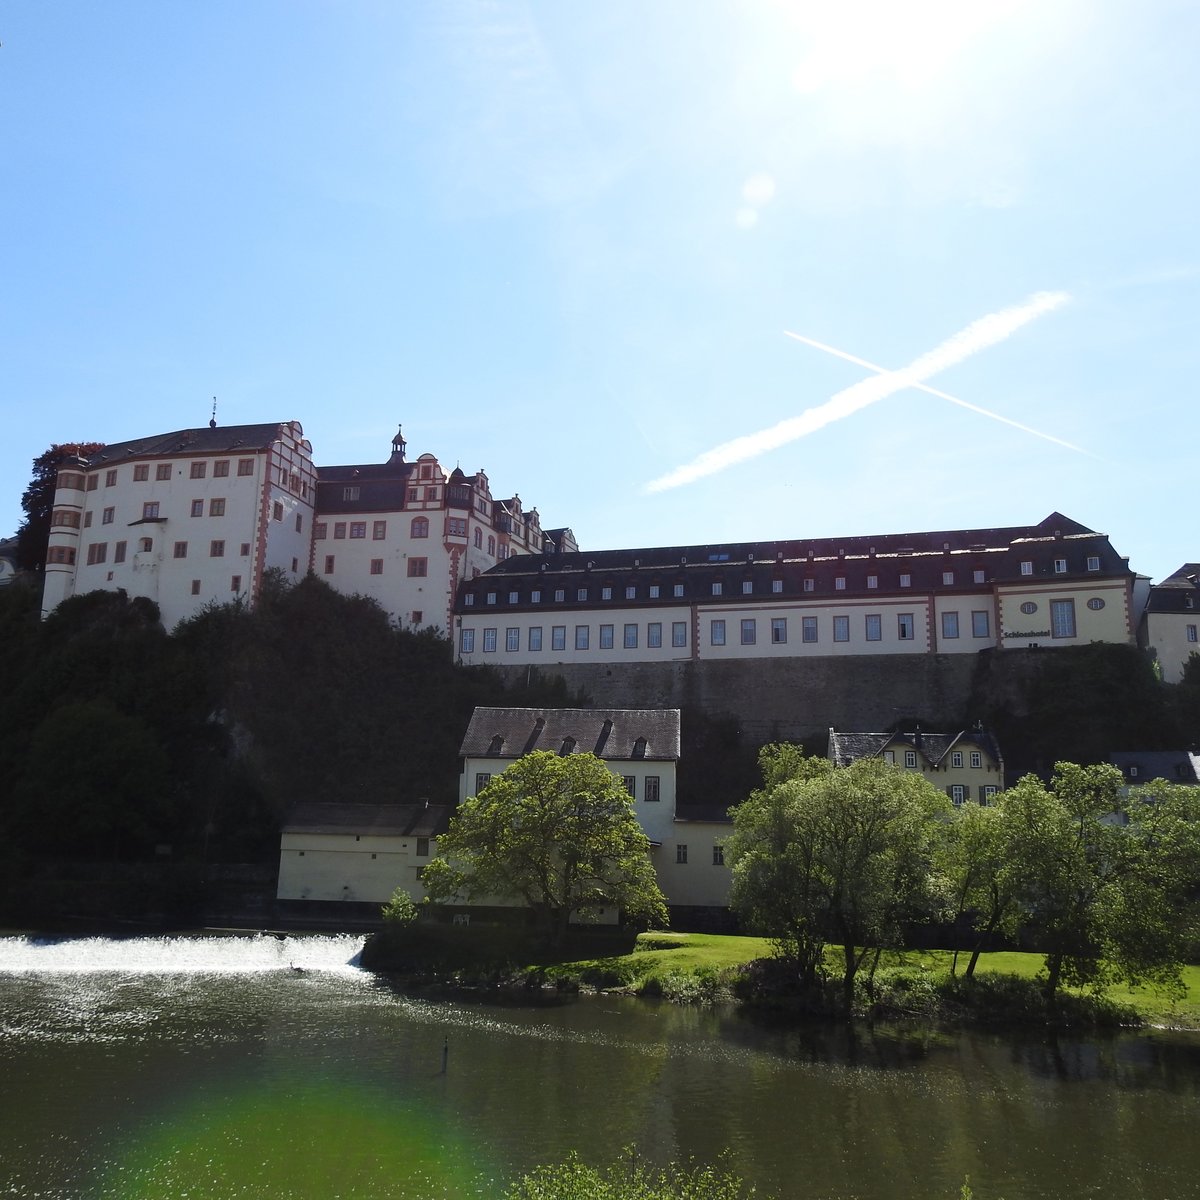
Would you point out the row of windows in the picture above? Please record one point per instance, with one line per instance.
(630, 636)
(216, 549)
(358, 529)
(235, 585)
(651, 785)
(956, 758)
(959, 793)
(418, 568)
(681, 854)
(198, 469)
(97, 552)
(1061, 565)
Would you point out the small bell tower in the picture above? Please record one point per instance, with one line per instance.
(399, 445)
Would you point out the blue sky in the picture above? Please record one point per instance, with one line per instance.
(566, 242)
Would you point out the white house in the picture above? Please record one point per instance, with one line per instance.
(1170, 621)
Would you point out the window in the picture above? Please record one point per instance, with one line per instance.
(418, 529)
(839, 583)
(809, 585)
(110, 478)
(431, 493)
(478, 539)
(747, 587)
(630, 782)
(910, 758)
(905, 579)
(976, 760)
(947, 578)
(490, 598)
(841, 629)
(299, 517)
(958, 794)
(216, 549)
(716, 587)
(606, 637)
(980, 625)
(106, 517)
(482, 779)
(489, 641)
(1028, 608)
(716, 633)
(329, 564)
(1191, 633)
(64, 516)
(1060, 566)
(377, 566)
(558, 637)
(319, 531)
(221, 469)
(245, 550)
(491, 545)
(119, 552)
(749, 631)
(455, 526)
(1027, 567)
(97, 553)
(582, 637)
(469, 599)
(651, 791)
(197, 508)
(195, 587)
(680, 852)
(514, 597)
(235, 583)
(654, 634)
(655, 591)
(245, 466)
(199, 470)
(874, 627)
(141, 472)
(580, 594)
(986, 792)
(418, 568)
(677, 591)
(358, 529)
(277, 511)
(93, 482)
(350, 493)
(956, 759)
(630, 637)
(872, 582)
(808, 629)
(150, 510)
(949, 624)
(145, 545)
(216, 508)
(1093, 562)
(904, 626)
(180, 550)
(512, 639)
(560, 594)
(467, 641)
(162, 471)
(777, 585)
(1062, 618)
(718, 856)
(1095, 604)
(678, 634)
(87, 520)
(535, 637)
(889, 756)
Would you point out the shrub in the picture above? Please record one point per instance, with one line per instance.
(401, 910)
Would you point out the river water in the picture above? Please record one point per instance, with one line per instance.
(266, 1067)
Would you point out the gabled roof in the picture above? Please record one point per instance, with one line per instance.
(1141, 766)
(845, 748)
(223, 439)
(613, 734)
(380, 820)
(1179, 592)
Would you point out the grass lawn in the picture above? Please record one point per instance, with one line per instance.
(658, 955)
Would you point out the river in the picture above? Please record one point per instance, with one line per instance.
(256, 1066)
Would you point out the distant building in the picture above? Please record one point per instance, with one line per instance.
(641, 746)
(1170, 620)
(965, 765)
(1142, 766)
(951, 592)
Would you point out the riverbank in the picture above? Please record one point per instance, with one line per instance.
(705, 968)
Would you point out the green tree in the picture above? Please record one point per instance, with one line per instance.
(37, 502)
(836, 856)
(554, 833)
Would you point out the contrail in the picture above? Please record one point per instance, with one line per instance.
(979, 335)
(870, 366)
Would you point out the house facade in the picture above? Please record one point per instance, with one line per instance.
(1171, 619)
(952, 592)
(641, 746)
(967, 766)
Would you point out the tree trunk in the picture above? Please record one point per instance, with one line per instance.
(980, 942)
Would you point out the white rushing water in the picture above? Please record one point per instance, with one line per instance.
(235, 954)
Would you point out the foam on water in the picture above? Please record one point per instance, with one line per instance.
(216, 955)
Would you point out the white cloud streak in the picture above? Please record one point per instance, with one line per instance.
(979, 335)
(975, 408)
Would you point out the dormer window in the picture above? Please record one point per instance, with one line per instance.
(639, 748)
(568, 746)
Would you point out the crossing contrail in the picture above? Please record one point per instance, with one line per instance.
(979, 335)
(870, 366)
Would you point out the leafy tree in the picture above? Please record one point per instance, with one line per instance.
(835, 856)
(33, 536)
(554, 833)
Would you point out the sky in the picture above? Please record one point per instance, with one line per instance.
(675, 272)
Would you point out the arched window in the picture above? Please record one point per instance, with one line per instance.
(420, 527)
(491, 545)
(478, 539)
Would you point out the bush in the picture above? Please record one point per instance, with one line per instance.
(401, 910)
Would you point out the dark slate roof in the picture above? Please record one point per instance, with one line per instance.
(613, 734)
(845, 748)
(381, 820)
(224, 439)
(1175, 766)
(1179, 592)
